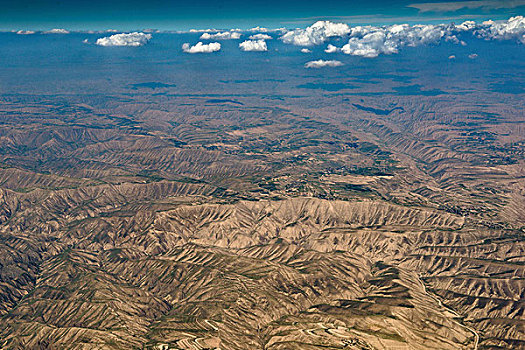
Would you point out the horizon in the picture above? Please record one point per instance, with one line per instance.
(42, 15)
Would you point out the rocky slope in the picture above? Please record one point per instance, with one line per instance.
(255, 226)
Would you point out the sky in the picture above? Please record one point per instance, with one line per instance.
(184, 15)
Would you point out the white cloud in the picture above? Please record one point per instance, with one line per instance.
(25, 32)
(130, 39)
(512, 29)
(306, 50)
(466, 26)
(202, 30)
(57, 31)
(322, 63)
(253, 45)
(452, 57)
(473, 56)
(260, 37)
(370, 45)
(258, 29)
(367, 41)
(454, 39)
(85, 41)
(331, 49)
(201, 48)
(372, 41)
(221, 36)
(315, 34)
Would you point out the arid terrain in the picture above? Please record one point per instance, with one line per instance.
(164, 221)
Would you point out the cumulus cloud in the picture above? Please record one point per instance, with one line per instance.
(370, 45)
(221, 36)
(315, 34)
(209, 30)
(367, 41)
(306, 50)
(258, 29)
(372, 41)
(322, 63)
(201, 48)
(466, 26)
(454, 39)
(25, 32)
(260, 37)
(130, 39)
(57, 31)
(331, 49)
(512, 29)
(253, 45)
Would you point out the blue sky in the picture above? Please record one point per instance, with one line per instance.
(183, 15)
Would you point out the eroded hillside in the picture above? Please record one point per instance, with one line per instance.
(186, 222)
